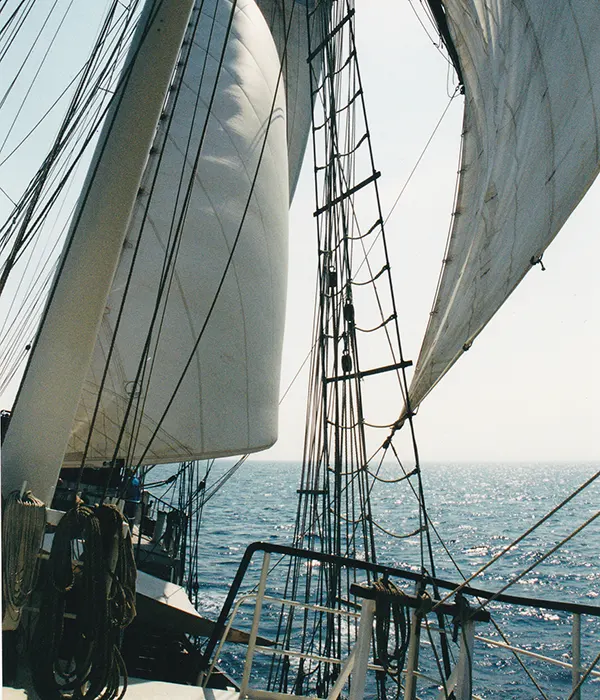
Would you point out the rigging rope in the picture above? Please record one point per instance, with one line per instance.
(420, 158)
(390, 615)
(538, 561)
(334, 511)
(144, 371)
(438, 661)
(15, 22)
(84, 115)
(238, 234)
(521, 537)
(576, 692)
(452, 559)
(183, 198)
(23, 525)
(37, 72)
(122, 82)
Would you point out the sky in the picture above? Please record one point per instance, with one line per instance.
(527, 389)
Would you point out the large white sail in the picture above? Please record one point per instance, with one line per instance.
(210, 170)
(531, 72)
(43, 412)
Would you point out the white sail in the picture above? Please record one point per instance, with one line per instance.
(46, 404)
(531, 72)
(288, 24)
(210, 170)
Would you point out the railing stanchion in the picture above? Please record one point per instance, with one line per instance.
(363, 648)
(255, 623)
(412, 664)
(464, 674)
(576, 655)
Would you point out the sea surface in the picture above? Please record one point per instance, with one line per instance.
(478, 510)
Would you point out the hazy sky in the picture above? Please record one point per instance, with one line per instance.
(528, 389)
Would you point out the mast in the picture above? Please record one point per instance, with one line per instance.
(45, 406)
(348, 433)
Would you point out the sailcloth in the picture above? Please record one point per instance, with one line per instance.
(530, 151)
(289, 28)
(193, 346)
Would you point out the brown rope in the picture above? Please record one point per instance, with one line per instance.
(391, 612)
(23, 525)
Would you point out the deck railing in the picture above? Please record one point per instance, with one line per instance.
(359, 661)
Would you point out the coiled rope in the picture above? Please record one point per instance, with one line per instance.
(391, 612)
(91, 572)
(23, 525)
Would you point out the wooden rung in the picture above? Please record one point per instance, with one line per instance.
(369, 372)
(348, 193)
(329, 36)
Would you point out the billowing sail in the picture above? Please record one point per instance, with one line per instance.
(531, 71)
(193, 326)
(288, 24)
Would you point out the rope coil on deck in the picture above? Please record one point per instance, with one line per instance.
(91, 572)
(23, 525)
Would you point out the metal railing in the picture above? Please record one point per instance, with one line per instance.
(357, 663)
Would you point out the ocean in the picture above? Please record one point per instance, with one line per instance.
(478, 509)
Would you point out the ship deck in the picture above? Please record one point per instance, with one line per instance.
(141, 689)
